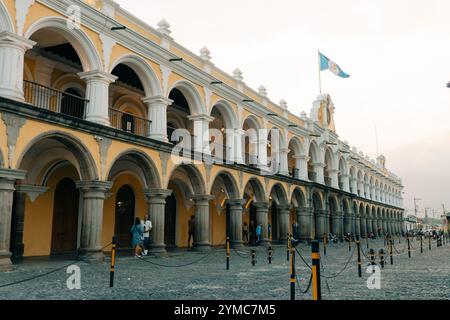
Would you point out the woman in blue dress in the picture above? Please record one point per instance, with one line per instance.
(137, 234)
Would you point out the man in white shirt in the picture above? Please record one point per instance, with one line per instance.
(147, 229)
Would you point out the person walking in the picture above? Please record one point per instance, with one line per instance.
(147, 224)
(258, 234)
(245, 233)
(137, 237)
(191, 227)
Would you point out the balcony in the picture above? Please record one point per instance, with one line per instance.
(50, 99)
(70, 104)
(129, 123)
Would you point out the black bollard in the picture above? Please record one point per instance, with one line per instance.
(228, 253)
(253, 257)
(325, 242)
(372, 259)
(382, 258)
(288, 249)
(409, 247)
(429, 242)
(317, 292)
(391, 253)
(358, 246)
(421, 244)
(113, 263)
(270, 255)
(293, 275)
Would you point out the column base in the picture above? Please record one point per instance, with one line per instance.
(5, 262)
(159, 137)
(12, 94)
(99, 120)
(91, 256)
(206, 247)
(158, 249)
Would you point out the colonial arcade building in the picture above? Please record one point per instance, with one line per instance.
(91, 100)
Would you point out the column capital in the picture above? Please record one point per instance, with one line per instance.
(239, 131)
(12, 175)
(157, 193)
(161, 100)
(33, 192)
(97, 75)
(201, 117)
(236, 203)
(202, 199)
(284, 208)
(96, 186)
(12, 39)
(261, 206)
(305, 158)
(319, 165)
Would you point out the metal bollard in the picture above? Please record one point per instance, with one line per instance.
(385, 244)
(325, 242)
(372, 259)
(421, 244)
(270, 255)
(253, 257)
(288, 250)
(382, 258)
(358, 246)
(350, 244)
(429, 242)
(367, 242)
(228, 253)
(317, 292)
(391, 253)
(113, 262)
(293, 275)
(409, 247)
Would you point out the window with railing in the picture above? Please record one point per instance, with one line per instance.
(42, 97)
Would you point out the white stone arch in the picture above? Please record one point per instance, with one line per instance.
(314, 152)
(191, 177)
(146, 74)
(278, 194)
(254, 121)
(257, 189)
(298, 198)
(6, 23)
(192, 96)
(124, 101)
(2, 161)
(343, 166)
(140, 164)
(229, 182)
(69, 81)
(69, 149)
(298, 148)
(228, 114)
(86, 50)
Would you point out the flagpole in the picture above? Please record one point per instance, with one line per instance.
(320, 77)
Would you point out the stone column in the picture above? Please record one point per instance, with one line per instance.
(385, 228)
(94, 194)
(262, 217)
(321, 224)
(283, 214)
(348, 223)
(201, 133)
(375, 226)
(157, 114)
(305, 220)
(236, 210)
(338, 224)
(238, 152)
(156, 200)
(354, 183)
(319, 171)
(7, 181)
(358, 225)
(262, 150)
(284, 165)
(360, 187)
(369, 224)
(97, 92)
(12, 52)
(333, 174)
(345, 182)
(301, 164)
(202, 234)
(363, 226)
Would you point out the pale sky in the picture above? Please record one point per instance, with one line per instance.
(396, 51)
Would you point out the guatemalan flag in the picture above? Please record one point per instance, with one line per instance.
(327, 64)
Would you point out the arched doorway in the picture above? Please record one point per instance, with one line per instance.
(65, 218)
(273, 218)
(125, 214)
(170, 221)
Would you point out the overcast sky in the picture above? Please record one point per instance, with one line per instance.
(396, 51)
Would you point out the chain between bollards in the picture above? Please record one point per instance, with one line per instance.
(113, 262)
(317, 292)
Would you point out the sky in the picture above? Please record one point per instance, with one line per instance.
(397, 53)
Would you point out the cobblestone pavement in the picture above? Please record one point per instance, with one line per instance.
(424, 276)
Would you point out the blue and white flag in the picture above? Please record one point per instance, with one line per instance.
(327, 64)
